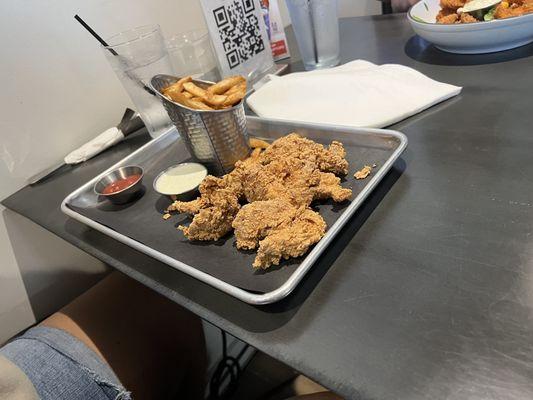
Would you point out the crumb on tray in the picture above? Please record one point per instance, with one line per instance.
(363, 172)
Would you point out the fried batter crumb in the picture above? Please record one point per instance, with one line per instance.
(166, 216)
(363, 172)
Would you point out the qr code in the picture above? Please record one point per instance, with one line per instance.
(239, 31)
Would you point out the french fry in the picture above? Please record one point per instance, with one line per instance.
(258, 143)
(181, 99)
(239, 87)
(222, 95)
(234, 98)
(177, 87)
(191, 103)
(215, 99)
(225, 84)
(197, 104)
(194, 90)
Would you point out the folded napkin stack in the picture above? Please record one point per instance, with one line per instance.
(358, 94)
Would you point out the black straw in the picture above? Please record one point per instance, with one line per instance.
(96, 35)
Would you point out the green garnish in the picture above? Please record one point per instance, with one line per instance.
(418, 19)
(489, 16)
(425, 5)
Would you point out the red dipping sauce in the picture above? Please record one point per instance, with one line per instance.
(121, 184)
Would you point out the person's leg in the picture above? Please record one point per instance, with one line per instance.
(155, 347)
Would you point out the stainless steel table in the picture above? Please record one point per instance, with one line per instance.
(428, 292)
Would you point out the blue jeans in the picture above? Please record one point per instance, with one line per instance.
(63, 368)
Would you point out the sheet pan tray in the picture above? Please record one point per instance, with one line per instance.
(141, 226)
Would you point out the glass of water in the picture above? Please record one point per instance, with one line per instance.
(316, 27)
(136, 56)
(191, 53)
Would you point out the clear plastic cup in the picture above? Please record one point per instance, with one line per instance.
(141, 54)
(191, 53)
(316, 27)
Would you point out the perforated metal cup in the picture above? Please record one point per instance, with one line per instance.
(217, 139)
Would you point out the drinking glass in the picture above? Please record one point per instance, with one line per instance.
(316, 27)
(137, 55)
(191, 53)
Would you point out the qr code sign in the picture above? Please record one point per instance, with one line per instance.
(239, 31)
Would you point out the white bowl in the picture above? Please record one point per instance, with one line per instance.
(475, 38)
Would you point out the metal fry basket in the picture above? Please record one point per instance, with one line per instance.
(217, 139)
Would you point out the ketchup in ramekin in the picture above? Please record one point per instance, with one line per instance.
(121, 184)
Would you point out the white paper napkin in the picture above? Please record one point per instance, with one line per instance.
(101, 142)
(358, 94)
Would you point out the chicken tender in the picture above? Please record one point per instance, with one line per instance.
(279, 229)
(213, 212)
(514, 10)
(467, 18)
(212, 223)
(292, 240)
(448, 18)
(256, 220)
(291, 179)
(330, 188)
(330, 159)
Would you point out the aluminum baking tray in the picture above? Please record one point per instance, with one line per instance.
(141, 226)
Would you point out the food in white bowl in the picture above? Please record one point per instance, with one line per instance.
(485, 26)
(461, 11)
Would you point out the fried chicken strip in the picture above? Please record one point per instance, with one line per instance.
(211, 223)
(279, 229)
(331, 159)
(293, 240)
(256, 220)
(447, 16)
(516, 9)
(467, 18)
(213, 212)
(330, 188)
(290, 179)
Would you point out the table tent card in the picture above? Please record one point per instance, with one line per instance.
(239, 36)
(276, 33)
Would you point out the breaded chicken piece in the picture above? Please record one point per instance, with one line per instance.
(447, 16)
(447, 19)
(278, 228)
(514, 10)
(212, 223)
(213, 212)
(291, 240)
(330, 188)
(256, 220)
(467, 18)
(291, 179)
(330, 159)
